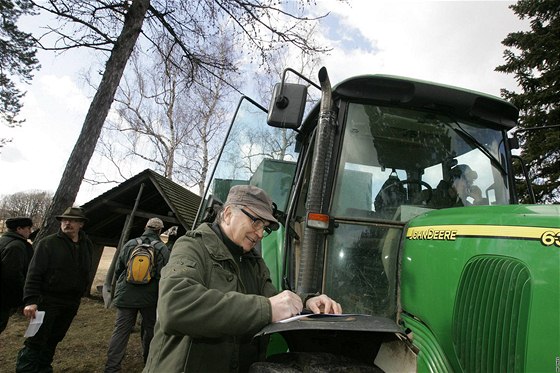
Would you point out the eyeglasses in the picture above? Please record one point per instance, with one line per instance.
(257, 223)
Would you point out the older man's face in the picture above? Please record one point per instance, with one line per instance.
(239, 228)
(71, 227)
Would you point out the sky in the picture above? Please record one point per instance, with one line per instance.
(450, 42)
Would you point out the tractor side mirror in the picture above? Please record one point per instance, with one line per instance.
(287, 105)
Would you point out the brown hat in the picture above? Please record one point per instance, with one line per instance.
(73, 213)
(254, 198)
(154, 223)
(20, 221)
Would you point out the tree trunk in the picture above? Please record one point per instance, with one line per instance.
(79, 159)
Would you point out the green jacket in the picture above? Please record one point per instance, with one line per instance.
(203, 312)
(138, 296)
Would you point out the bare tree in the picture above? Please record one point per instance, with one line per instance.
(210, 110)
(32, 204)
(307, 64)
(114, 26)
(150, 123)
(166, 121)
(278, 140)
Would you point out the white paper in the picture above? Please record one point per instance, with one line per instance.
(318, 315)
(35, 324)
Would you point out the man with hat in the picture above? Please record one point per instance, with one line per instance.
(216, 292)
(58, 277)
(132, 298)
(15, 254)
(463, 183)
(459, 190)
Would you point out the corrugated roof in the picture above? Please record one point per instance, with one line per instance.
(160, 197)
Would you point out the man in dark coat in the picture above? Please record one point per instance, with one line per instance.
(57, 278)
(131, 299)
(15, 254)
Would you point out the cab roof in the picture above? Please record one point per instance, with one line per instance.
(417, 94)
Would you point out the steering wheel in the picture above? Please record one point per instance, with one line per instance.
(419, 182)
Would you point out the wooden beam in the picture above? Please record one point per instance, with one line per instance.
(123, 209)
(148, 215)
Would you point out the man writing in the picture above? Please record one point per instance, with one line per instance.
(131, 299)
(15, 254)
(57, 279)
(216, 292)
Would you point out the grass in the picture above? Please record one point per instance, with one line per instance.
(84, 349)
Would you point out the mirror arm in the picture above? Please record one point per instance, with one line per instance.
(282, 101)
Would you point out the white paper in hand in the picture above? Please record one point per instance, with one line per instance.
(34, 324)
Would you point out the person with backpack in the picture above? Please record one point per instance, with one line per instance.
(137, 271)
(15, 254)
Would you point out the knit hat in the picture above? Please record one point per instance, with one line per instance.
(155, 224)
(254, 198)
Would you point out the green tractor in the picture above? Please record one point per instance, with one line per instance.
(397, 199)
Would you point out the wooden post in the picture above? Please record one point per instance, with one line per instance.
(110, 281)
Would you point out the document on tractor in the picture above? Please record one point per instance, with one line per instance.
(35, 324)
(317, 316)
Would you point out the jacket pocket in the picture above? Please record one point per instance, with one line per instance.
(222, 279)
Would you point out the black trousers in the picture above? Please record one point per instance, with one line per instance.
(38, 352)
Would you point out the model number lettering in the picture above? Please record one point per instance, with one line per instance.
(433, 234)
(550, 238)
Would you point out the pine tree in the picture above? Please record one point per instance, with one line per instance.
(17, 59)
(534, 57)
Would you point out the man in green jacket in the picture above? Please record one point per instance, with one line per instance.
(216, 292)
(131, 299)
(15, 254)
(58, 276)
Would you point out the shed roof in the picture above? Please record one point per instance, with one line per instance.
(160, 197)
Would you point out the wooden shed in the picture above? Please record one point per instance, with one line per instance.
(121, 213)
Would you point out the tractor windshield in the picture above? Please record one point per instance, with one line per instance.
(396, 163)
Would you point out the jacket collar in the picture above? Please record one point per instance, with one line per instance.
(215, 245)
(81, 235)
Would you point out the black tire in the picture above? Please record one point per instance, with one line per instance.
(311, 363)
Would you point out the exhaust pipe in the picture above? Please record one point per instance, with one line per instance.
(309, 276)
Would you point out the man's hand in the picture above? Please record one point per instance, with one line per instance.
(323, 304)
(29, 311)
(284, 305)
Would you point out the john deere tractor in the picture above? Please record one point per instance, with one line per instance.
(397, 199)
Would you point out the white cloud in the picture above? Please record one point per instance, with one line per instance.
(54, 108)
(450, 42)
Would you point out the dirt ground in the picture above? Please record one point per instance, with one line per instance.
(84, 348)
